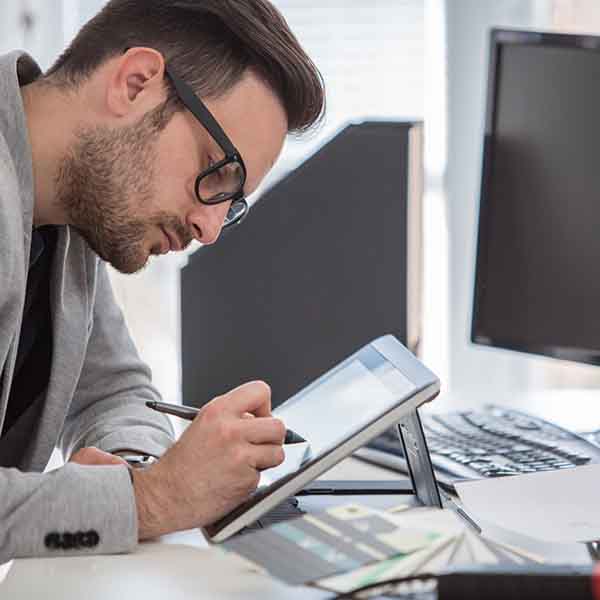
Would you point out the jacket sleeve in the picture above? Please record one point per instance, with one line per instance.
(73, 510)
(80, 509)
(108, 408)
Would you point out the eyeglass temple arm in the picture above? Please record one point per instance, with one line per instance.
(199, 110)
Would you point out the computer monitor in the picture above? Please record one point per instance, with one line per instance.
(327, 260)
(537, 282)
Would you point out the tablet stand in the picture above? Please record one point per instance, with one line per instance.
(420, 470)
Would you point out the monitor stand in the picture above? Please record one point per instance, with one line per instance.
(421, 481)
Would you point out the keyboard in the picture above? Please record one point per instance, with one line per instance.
(492, 442)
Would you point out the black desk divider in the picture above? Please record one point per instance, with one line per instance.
(328, 259)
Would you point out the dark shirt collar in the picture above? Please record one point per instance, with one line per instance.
(37, 247)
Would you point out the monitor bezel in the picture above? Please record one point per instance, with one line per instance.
(500, 38)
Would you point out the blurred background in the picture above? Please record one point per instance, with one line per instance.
(424, 59)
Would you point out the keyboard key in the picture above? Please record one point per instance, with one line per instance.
(526, 424)
(447, 451)
(499, 473)
(581, 460)
(480, 466)
(521, 448)
(478, 451)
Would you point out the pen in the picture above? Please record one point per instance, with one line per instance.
(189, 413)
(454, 505)
(468, 519)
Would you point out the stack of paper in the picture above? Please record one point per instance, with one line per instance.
(458, 544)
(352, 545)
(568, 497)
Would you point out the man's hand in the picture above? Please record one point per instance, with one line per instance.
(95, 456)
(214, 466)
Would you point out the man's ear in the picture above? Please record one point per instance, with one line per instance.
(136, 82)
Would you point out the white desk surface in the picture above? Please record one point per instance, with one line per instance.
(176, 567)
(183, 566)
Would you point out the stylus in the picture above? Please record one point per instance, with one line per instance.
(189, 413)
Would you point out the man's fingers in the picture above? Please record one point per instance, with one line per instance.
(265, 456)
(253, 397)
(265, 430)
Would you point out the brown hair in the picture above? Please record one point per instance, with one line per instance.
(209, 43)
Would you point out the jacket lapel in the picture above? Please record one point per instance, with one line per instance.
(17, 211)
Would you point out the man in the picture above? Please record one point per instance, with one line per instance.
(147, 133)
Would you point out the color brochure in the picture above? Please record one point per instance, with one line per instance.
(352, 545)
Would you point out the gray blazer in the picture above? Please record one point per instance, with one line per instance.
(98, 384)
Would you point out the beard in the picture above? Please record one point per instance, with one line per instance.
(105, 185)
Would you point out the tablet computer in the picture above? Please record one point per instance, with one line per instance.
(375, 388)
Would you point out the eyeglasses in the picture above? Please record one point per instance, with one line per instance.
(224, 179)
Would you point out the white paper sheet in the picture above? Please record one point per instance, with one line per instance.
(4, 569)
(555, 506)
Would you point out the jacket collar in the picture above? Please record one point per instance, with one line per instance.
(18, 69)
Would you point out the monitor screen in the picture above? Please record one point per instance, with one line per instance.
(537, 288)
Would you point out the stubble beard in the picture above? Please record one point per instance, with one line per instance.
(103, 185)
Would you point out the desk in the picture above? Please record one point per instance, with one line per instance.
(181, 566)
(178, 566)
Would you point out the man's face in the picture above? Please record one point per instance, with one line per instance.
(130, 190)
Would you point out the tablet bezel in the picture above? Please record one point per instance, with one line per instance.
(427, 386)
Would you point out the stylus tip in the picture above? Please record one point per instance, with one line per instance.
(291, 437)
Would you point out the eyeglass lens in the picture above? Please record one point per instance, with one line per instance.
(219, 183)
(236, 213)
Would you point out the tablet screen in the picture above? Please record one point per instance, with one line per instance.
(337, 406)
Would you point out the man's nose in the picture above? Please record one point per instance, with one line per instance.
(207, 221)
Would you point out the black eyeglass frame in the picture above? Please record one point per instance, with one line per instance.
(239, 205)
